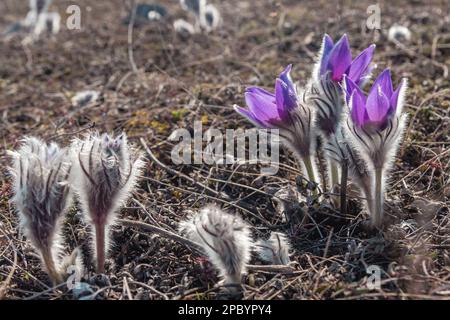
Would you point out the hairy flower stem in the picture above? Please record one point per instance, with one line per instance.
(50, 266)
(307, 161)
(379, 198)
(334, 183)
(100, 246)
(323, 177)
(344, 176)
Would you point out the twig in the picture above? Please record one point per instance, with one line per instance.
(182, 175)
(271, 268)
(37, 295)
(420, 166)
(165, 297)
(327, 245)
(148, 227)
(126, 288)
(5, 284)
(130, 37)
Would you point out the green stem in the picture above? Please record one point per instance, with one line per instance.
(310, 171)
(379, 198)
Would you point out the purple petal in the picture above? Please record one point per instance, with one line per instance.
(383, 81)
(259, 91)
(286, 99)
(282, 98)
(327, 46)
(360, 66)
(358, 104)
(340, 58)
(395, 95)
(350, 86)
(377, 105)
(285, 76)
(366, 77)
(250, 116)
(262, 104)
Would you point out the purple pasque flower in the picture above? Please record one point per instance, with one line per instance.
(268, 110)
(335, 63)
(336, 58)
(375, 126)
(380, 105)
(284, 111)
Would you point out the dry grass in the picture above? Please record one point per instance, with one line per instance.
(179, 80)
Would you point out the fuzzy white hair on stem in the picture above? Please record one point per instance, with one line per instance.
(339, 150)
(224, 238)
(326, 98)
(275, 250)
(379, 153)
(315, 75)
(40, 174)
(300, 135)
(106, 170)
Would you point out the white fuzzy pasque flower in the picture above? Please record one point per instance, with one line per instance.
(42, 196)
(104, 173)
(224, 238)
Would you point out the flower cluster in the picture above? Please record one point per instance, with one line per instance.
(359, 133)
(100, 169)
